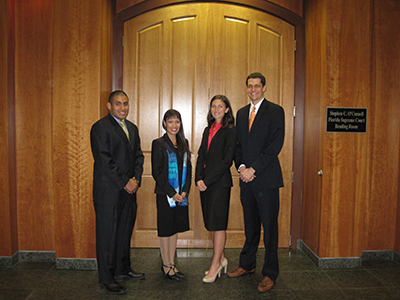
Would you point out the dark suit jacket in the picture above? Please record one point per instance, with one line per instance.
(159, 167)
(116, 159)
(260, 147)
(218, 159)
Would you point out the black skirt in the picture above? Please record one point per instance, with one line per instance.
(215, 206)
(171, 220)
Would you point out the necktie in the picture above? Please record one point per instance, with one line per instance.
(124, 128)
(252, 116)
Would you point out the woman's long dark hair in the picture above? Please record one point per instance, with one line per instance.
(228, 120)
(182, 146)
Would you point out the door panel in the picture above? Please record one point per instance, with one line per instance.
(179, 57)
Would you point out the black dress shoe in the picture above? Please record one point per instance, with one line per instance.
(131, 275)
(114, 288)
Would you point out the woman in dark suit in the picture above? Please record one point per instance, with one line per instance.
(213, 177)
(172, 171)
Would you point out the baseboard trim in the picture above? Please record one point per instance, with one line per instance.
(348, 262)
(8, 261)
(396, 256)
(310, 254)
(378, 255)
(49, 256)
(28, 256)
(37, 256)
(331, 262)
(91, 263)
(76, 263)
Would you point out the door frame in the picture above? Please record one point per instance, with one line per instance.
(268, 7)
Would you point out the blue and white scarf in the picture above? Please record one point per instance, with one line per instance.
(173, 175)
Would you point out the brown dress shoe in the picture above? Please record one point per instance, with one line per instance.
(239, 272)
(265, 285)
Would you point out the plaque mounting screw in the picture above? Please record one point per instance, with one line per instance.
(320, 173)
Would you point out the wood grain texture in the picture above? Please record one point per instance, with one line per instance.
(12, 159)
(352, 63)
(313, 122)
(5, 199)
(179, 57)
(384, 188)
(79, 49)
(106, 51)
(360, 209)
(294, 6)
(345, 154)
(123, 4)
(33, 100)
(47, 203)
(298, 132)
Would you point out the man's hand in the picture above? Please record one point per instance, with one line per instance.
(247, 174)
(132, 186)
(201, 186)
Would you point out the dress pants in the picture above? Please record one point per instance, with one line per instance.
(114, 226)
(260, 207)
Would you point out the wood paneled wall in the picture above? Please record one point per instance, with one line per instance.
(62, 72)
(313, 122)
(33, 102)
(352, 61)
(386, 154)
(7, 244)
(55, 69)
(397, 236)
(82, 76)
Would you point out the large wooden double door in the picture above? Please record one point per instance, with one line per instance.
(179, 57)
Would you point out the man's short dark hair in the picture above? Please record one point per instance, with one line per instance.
(116, 93)
(256, 75)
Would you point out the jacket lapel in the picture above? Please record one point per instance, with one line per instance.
(216, 136)
(206, 135)
(131, 130)
(246, 112)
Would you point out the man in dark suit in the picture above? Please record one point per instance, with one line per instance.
(118, 168)
(261, 129)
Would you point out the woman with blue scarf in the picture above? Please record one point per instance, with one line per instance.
(172, 171)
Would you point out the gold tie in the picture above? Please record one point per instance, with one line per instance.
(252, 116)
(124, 128)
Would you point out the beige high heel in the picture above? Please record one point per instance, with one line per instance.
(207, 279)
(224, 264)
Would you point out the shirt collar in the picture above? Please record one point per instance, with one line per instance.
(118, 120)
(257, 105)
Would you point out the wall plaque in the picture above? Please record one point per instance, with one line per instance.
(343, 119)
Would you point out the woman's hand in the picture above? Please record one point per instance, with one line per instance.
(178, 198)
(201, 185)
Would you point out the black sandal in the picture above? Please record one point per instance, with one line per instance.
(169, 276)
(179, 274)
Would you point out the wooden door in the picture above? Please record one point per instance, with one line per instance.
(179, 57)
